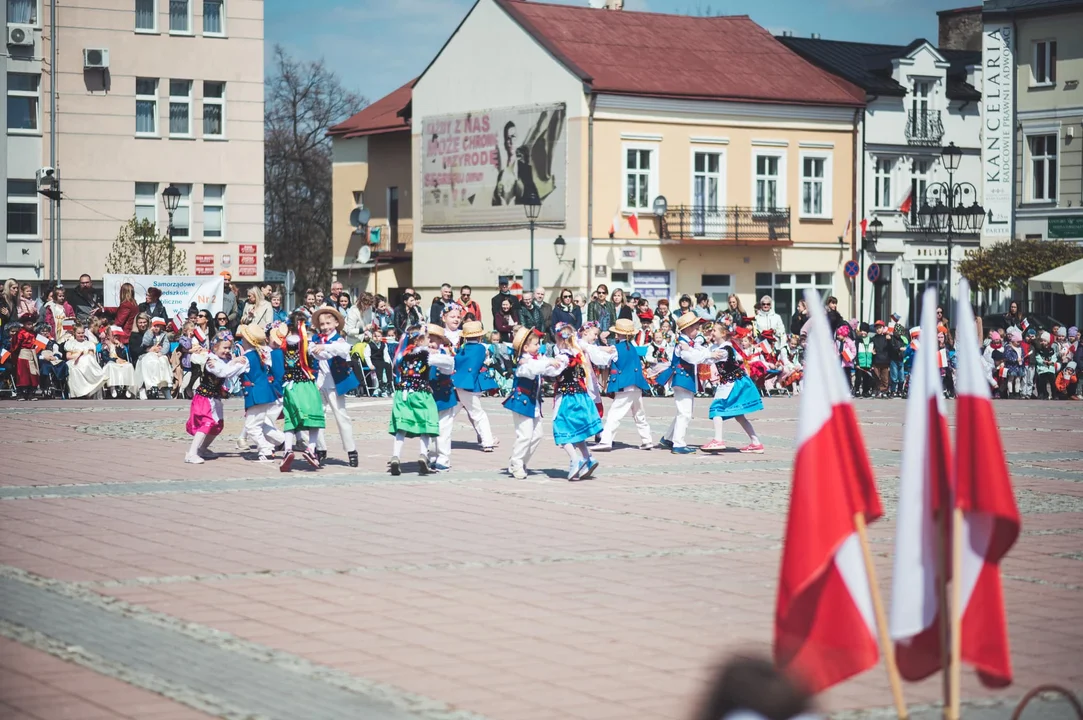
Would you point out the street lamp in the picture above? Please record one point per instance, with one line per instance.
(872, 234)
(532, 207)
(171, 199)
(559, 246)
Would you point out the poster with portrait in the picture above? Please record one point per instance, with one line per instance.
(478, 169)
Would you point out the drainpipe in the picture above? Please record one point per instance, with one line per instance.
(858, 122)
(54, 271)
(590, 193)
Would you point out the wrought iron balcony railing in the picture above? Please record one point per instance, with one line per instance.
(395, 239)
(923, 127)
(726, 225)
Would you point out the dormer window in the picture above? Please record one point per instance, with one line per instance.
(1043, 68)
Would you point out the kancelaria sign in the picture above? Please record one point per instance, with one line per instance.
(998, 150)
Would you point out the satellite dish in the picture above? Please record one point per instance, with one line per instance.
(364, 254)
(597, 4)
(360, 216)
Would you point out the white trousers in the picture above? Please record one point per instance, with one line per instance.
(625, 400)
(260, 428)
(685, 406)
(334, 404)
(471, 403)
(528, 435)
(443, 440)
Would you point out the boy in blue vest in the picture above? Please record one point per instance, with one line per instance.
(472, 379)
(525, 398)
(627, 381)
(445, 395)
(259, 392)
(335, 379)
(686, 355)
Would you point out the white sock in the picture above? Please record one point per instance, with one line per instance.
(583, 450)
(573, 454)
(425, 441)
(397, 443)
(718, 429)
(288, 442)
(747, 427)
(197, 443)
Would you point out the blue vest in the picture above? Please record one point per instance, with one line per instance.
(470, 372)
(278, 369)
(443, 390)
(525, 396)
(341, 369)
(683, 373)
(627, 369)
(256, 383)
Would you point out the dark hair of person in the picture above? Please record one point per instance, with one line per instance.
(753, 684)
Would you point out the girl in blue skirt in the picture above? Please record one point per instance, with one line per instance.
(736, 394)
(576, 418)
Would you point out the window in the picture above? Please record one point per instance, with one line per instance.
(24, 100)
(214, 109)
(815, 185)
(214, 211)
(146, 106)
(182, 218)
(213, 22)
(706, 193)
(769, 189)
(22, 208)
(882, 183)
(1043, 70)
(719, 287)
(180, 16)
(640, 178)
(146, 202)
(786, 289)
(23, 11)
(1043, 167)
(920, 173)
(920, 101)
(146, 15)
(180, 107)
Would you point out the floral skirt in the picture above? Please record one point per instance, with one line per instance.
(576, 419)
(743, 398)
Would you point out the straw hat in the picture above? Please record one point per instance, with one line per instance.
(278, 334)
(521, 334)
(253, 334)
(328, 310)
(624, 326)
(688, 320)
(473, 329)
(437, 332)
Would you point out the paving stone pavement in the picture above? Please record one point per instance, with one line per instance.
(132, 585)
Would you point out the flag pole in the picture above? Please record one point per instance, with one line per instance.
(881, 620)
(943, 566)
(956, 628)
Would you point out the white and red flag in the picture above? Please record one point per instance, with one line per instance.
(615, 224)
(924, 492)
(633, 222)
(990, 517)
(825, 627)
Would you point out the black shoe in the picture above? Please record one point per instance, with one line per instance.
(393, 466)
(422, 466)
(322, 456)
(353, 458)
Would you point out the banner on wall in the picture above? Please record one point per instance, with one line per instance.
(478, 169)
(178, 291)
(998, 131)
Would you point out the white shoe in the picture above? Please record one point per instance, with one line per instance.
(266, 458)
(193, 459)
(518, 473)
(647, 446)
(600, 446)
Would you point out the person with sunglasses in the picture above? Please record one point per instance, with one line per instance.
(768, 319)
(471, 309)
(567, 312)
(221, 325)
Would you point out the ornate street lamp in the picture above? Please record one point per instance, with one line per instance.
(171, 200)
(532, 207)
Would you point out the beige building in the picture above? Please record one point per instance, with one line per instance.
(149, 92)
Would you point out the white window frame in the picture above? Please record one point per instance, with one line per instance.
(153, 204)
(827, 181)
(1047, 65)
(221, 103)
(652, 176)
(203, 14)
(169, 20)
(921, 177)
(151, 99)
(180, 100)
(717, 224)
(33, 95)
(215, 203)
(22, 200)
(154, 13)
(35, 20)
(889, 175)
(1032, 158)
(780, 187)
(185, 203)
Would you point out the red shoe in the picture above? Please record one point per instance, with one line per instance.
(755, 448)
(312, 459)
(287, 462)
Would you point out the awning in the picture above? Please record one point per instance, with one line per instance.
(1064, 280)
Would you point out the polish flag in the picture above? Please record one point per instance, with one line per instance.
(825, 629)
(924, 492)
(615, 224)
(633, 222)
(5, 355)
(907, 202)
(40, 343)
(179, 319)
(864, 226)
(983, 491)
(199, 335)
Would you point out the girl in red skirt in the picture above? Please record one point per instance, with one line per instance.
(205, 419)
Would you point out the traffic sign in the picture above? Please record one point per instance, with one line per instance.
(873, 273)
(852, 269)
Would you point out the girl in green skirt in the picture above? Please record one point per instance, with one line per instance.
(414, 412)
(302, 406)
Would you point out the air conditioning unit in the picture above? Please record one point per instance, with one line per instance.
(20, 35)
(95, 58)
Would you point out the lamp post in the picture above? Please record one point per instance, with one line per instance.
(559, 246)
(872, 234)
(532, 206)
(171, 199)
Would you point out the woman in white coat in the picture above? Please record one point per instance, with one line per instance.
(86, 377)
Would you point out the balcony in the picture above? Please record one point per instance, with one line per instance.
(726, 225)
(395, 241)
(923, 127)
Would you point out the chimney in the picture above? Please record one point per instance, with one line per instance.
(787, 33)
(960, 29)
(614, 4)
(815, 36)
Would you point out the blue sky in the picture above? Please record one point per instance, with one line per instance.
(374, 46)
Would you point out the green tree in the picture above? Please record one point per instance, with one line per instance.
(139, 250)
(1009, 265)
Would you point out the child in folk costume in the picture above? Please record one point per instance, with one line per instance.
(302, 406)
(686, 355)
(120, 374)
(54, 373)
(336, 377)
(472, 378)
(575, 418)
(734, 397)
(25, 347)
(599, 357)
(628, 382)
(446, 397)
(260, 395)
(414, 412)
(205, 418)
(153, 369)
(524, 400)
(85, 376)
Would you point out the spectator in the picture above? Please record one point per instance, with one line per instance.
(621, 311)
(221, 325)
(135, 339)
(309, 305)
(28, 306)
(751, 687)
(881, 359)
(153, 305)
(345, 305)
(85, 300)
(127, 310)
(545, 308)
(383, 319)
(332, 298)
(277, 311)
(505, 321)
(57, 309)
(768, 319)
(86, 377)
(320, 297)
(942, 321)
(703, 306)
(600, 309)
(833, 315)
(530, 315)
(567, 312)
(440, 305)
(799, 318)
(365, 303)
(9, 303)
(735, 311)
(257, 311)
(267, 291)
(229, 299)
(684, 305)
(501, 294)
(471, 309)
(1013, 318)
(408, 314)
(662, 313)
(356, 327)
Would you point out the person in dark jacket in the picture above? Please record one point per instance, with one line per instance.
(567, 312)
(440, 305)
(799, 318)
(530, 315)
(408, 314)
(153, 307)
(881, 358)
(499, 297)
(833, 315)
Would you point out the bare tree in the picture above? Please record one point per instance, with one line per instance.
(139, 250)
(303, 101)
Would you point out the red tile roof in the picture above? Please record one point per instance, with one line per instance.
(382, 116)
(678, 56)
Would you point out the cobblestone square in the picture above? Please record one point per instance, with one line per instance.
(135, 586)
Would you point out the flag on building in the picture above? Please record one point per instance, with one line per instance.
(633, 222)
(825, 627)
(614, 224)
(849, 223)
(983, 491)
(864, 226)
(924, 492)
(907, 203)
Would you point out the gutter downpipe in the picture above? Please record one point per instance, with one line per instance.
(590, 193)
(859, 120)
